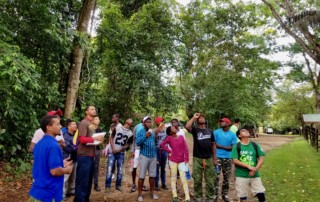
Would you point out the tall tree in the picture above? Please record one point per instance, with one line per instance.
(223, 71)
(77, 55)
(136, 51)
(290, 103)
(301, 20)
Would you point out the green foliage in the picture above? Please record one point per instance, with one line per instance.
(135, 53)
(223, 68)
(18, 81)
(290, 103)
(35, 43)
(289, 176)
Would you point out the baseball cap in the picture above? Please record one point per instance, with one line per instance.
(145, 118)
(158, 120)
(52, 113)
(226, 120)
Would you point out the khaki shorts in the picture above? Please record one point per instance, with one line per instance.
(243, 185)
(147, 164)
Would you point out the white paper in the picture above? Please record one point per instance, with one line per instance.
(99, 134)
(96, 142)
(183, 167)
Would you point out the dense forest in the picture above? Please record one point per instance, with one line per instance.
(156, 57)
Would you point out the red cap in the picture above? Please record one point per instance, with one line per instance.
(226, 120)
(58, 112)
(158, 120)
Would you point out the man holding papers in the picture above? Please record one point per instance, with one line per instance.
(85, 159)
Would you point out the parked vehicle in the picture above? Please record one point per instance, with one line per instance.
(269, 130)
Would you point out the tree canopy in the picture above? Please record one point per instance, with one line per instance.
(145, 57)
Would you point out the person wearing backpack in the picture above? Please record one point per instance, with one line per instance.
(248, 159)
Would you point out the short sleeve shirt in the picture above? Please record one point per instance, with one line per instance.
(161, 136)
(224, 138)
(121, 137)
(203, 139)
(47, 156)
(38, 135)
(247, 156)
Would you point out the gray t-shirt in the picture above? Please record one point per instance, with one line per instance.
(161, 136)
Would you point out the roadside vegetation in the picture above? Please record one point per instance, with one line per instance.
(291, 173)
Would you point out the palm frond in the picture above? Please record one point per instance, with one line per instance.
(308, 17)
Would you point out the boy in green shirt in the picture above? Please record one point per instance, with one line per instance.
(248, 159)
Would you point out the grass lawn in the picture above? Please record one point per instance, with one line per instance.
(291, 173)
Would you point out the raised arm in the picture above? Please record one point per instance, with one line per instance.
(188, 126)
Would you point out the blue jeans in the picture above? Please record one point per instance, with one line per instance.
(85, 169)
(162, 157)
(113, 159)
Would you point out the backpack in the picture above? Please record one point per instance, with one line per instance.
(255, 146)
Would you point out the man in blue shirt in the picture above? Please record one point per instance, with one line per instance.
(225, 139)
(49, 166)
(146, 139)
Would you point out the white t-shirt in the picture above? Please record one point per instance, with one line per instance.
(182, 133)
(38, 135)
(121, 137)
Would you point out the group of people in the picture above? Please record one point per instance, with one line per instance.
(66, 160)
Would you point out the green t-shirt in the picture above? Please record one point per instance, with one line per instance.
(247, 156)
(234, 129)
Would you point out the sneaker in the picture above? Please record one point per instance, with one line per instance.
(113, 177)
(165, 187)
(119, 189)
(154, 196)
(175, 199)
(140, 198)
(107, 190)
(97, 188)
(225, 198)
(133, 188)
(156, 189)
(144, 188)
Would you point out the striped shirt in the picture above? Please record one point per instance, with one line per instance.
(147, 145)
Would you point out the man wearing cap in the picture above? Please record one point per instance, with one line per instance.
(146, 139)
(204, 156)
(225, 139)
(162, 155)
(38, 134)
(135, 152)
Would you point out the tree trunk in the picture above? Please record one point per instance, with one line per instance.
(77, 52)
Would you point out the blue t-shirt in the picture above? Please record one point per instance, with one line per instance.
(47, 155)
(224, 139)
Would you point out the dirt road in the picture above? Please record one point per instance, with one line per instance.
(12, 192)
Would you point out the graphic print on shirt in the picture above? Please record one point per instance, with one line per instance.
(121, 139)
(247, 157)
(201, 136)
